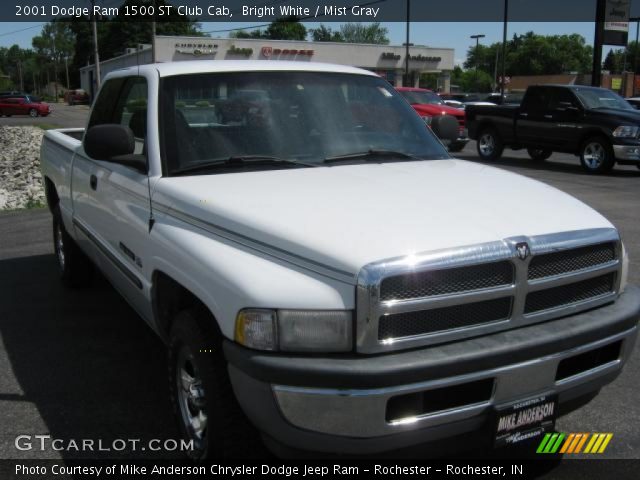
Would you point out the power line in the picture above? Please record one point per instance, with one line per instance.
(22, 29)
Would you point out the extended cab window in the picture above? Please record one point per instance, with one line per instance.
(537, 99)
(289, 117)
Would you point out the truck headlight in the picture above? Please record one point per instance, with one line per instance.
(324, 331)
(624, 273)
(626, 131)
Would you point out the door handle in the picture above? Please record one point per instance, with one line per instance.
(93, 181)
(524, 114)
(548, 117)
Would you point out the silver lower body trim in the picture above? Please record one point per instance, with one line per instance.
(362, 413)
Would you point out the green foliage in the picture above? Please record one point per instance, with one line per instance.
(288, 28)
(472, 81)
(361, 33)
(532, 54)
(615, 62)
(325, 34)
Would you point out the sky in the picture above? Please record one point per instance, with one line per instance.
(442, 34)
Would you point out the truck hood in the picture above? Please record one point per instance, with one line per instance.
(345, 217)
(632, 116)
(433, 109)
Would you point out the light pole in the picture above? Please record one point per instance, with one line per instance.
(635, 53)
(477, 39)
(406, 54)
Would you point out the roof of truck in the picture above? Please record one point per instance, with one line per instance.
(215, 66)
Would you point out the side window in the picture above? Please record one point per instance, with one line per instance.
(537, 99)
(123, 101)
(131, 110)
(563, 98)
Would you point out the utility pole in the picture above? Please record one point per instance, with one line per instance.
(407, 45)
(504, 45)
(596, 71)
(66, 67)
(635, 53)
(96, 55)
(477, 39)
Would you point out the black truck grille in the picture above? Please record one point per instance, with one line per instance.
(565, 295)
(558, 263)
(447, 281)
(444, 318)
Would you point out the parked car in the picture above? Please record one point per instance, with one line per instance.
(506, 99)
(77, 96)
(595, 124)
(428, 105)
(634, 101)
(24, 105)
(12, 93)
(336, 280)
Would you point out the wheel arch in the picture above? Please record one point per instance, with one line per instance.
(51, 194)
(169, 297)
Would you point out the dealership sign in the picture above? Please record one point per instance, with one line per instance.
(197, 49)
(616, 22)
(269, 52)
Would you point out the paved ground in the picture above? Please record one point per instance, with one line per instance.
(81, 364)
(63, 116)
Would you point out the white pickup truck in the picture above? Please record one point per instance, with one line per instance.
(319, 266)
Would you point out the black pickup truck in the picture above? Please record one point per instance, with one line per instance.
(593, 123)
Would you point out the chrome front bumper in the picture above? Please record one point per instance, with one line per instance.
(361, 413)
(629, 153)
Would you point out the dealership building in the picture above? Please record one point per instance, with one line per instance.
(386, 60)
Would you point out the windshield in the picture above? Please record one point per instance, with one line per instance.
(216, 123)
(594, 98)
(421, 97)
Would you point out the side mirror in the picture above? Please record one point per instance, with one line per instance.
(114, 143)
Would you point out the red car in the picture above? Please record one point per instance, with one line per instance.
(428, 104)
(24, 105)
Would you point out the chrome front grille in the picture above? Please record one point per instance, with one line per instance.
(454, 294)
(450, 280)
(570, 294)
(558, 263)
(446, 318)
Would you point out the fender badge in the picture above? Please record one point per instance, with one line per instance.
(523, 250)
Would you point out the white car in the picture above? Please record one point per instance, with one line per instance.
(321, 268)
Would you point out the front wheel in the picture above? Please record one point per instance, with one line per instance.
(208, 414)
(539, 154)
(596, 155)
(33, 113)
(489, 145)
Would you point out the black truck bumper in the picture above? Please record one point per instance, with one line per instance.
(366, 404)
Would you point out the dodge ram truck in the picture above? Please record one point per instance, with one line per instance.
(593, 123)
(324, 273)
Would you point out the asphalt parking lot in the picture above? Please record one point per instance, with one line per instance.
(81, 364)
(62, 116)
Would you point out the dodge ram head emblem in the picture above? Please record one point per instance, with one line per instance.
(523, 250)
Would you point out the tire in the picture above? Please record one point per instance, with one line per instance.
(596, 155)
(539, 154)
(201, 391)
(33, 113)
(76, 270)
(489, 145)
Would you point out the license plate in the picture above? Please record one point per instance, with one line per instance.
(524, 420)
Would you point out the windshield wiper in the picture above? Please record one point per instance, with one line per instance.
(372, 154)
(239, 161)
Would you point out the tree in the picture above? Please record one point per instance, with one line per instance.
(360, 33)
(246, 34)
(532, 54)
(614, 61)
(288, 28)
(325, 34)
(471, 81)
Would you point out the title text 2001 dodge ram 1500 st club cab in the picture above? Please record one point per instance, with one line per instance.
(596, 124)
(320, 266)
